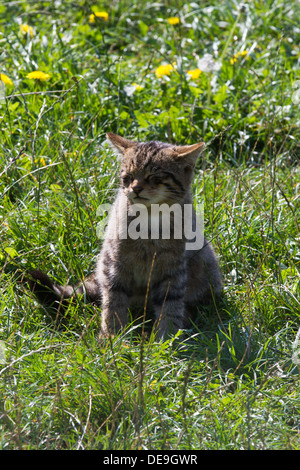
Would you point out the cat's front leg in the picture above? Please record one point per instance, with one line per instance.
(115, 302)
(168, 301)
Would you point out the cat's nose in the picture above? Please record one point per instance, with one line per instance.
(136, 187)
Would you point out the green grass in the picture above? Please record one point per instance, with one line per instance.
(230, 382)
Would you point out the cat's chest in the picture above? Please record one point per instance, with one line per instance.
(147, 261)
(139, 255)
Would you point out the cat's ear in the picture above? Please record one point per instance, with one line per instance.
(120, 144)
(189, 152)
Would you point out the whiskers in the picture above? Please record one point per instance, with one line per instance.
(170, 194)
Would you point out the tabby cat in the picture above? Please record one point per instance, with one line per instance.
(158, 270)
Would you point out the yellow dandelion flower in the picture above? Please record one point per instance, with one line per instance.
(26, 29)
(37, 75)
(40, 160)
(99, 14)
(153, 384)
(5, 79)
(163, 70)
(173, 20)
(194, 74)
(237, 55)
(137, 87)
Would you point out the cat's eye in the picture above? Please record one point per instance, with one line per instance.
(154, 171)
(154, 178)
(127, 178)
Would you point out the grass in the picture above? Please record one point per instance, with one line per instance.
(231, 382)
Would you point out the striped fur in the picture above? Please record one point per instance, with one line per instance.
(151, 173)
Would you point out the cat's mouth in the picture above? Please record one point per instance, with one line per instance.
(137, 198)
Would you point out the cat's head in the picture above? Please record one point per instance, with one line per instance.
(155, 172)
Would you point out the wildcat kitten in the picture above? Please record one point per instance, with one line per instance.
(128, 269)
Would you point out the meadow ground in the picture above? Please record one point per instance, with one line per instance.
(178, 71)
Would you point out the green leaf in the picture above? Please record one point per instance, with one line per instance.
(221, 95)
(143, 28)
(10, 250)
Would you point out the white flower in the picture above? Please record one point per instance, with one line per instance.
(130, 89)
(208, 64)
(296, 93)
(243, 137)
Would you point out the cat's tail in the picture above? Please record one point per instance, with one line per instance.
(55, 296)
